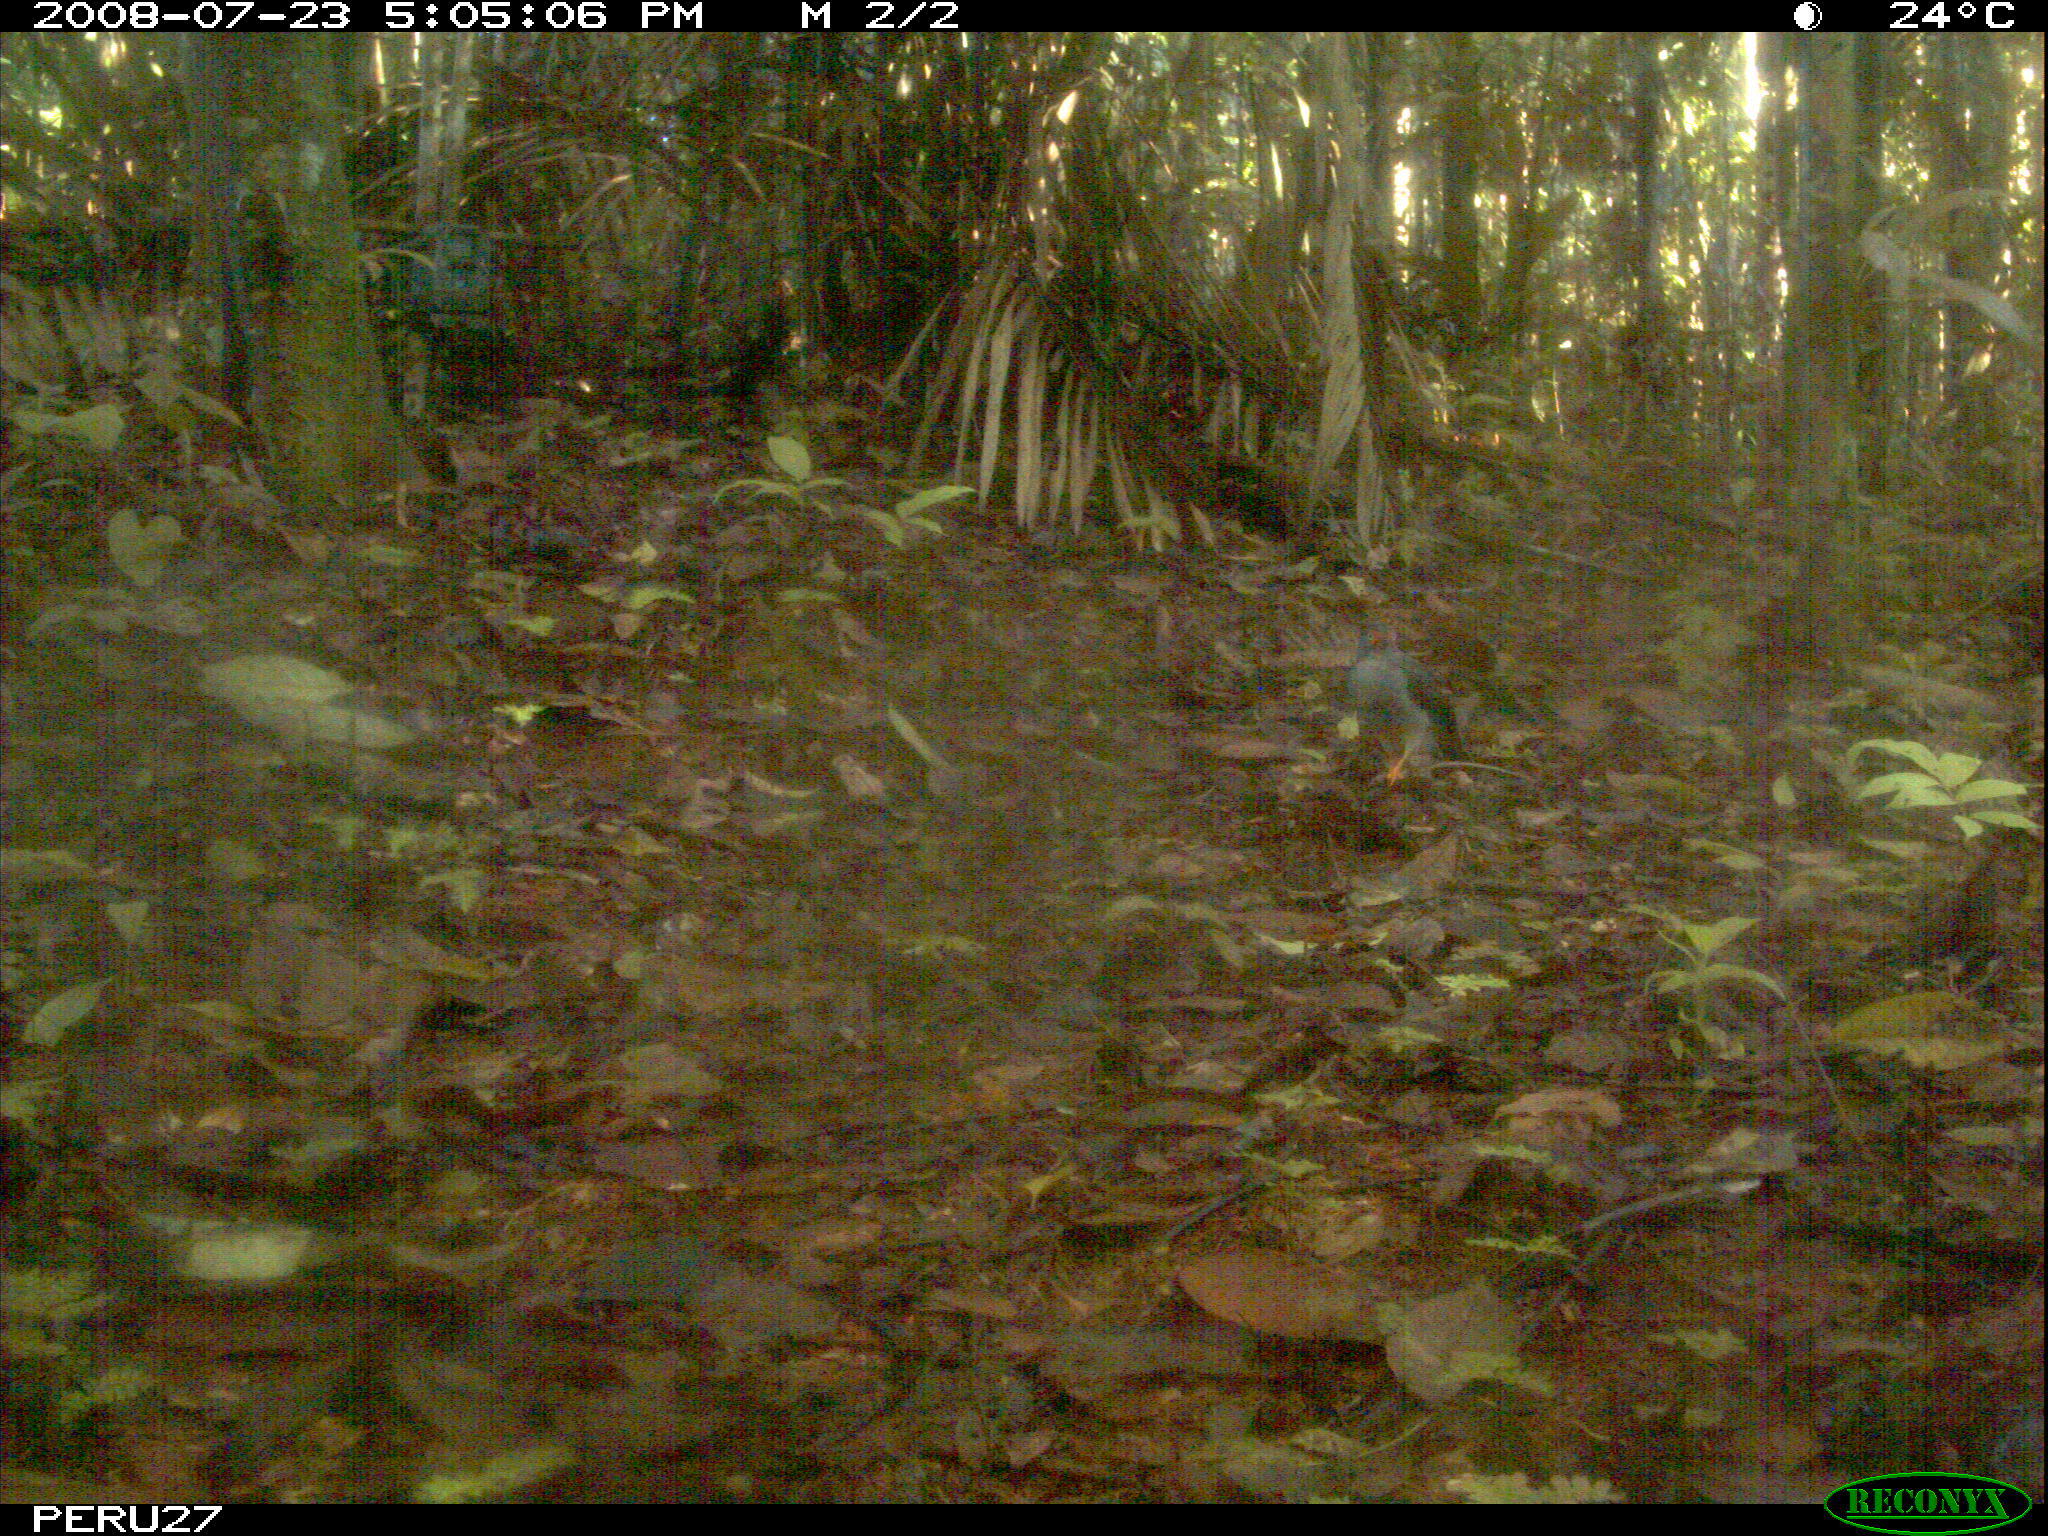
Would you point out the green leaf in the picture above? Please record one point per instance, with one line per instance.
(138, 548)
(646, 594)
(1989, 789)
(500, 1477)
(109, 1388)
(130, 919)
(97, 426)
(1918, 794)
(1707, 938)
(1911, 751)
(900, 724)
(1727, 854)
(933, 496)
(1718, 972)
(60, 1014)
(1515, 1488)
(2012, 819)
(1711, 1344)
(1904, 1016)
(791, 457)
(1887, 783)
(26, 866)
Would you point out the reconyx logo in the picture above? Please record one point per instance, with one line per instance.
(1947, 1503)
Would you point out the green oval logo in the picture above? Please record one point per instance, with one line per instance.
(1934, 1503)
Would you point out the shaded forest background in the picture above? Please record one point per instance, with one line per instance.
(1287, 277)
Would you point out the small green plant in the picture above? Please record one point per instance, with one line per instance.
(792, 461)
(1941, 780)
(1155, 529)
(907, 522)
(1701, 646)
(1702, 974)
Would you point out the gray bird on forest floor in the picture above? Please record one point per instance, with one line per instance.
(1401, 705)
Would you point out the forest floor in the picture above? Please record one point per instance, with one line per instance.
(606, 983)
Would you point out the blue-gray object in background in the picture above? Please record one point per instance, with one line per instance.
(1397, 700)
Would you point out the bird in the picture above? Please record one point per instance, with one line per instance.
(1398, 701)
